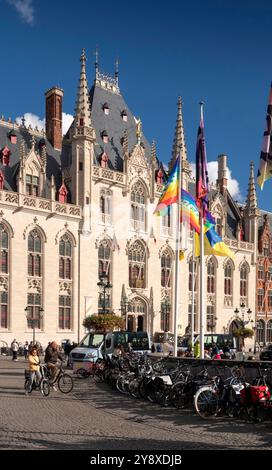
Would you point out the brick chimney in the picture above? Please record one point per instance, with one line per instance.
(53, 116)
(222, 180)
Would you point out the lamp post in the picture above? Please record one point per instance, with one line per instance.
(124, 309)
(104, 287)
(241, 318)
(166, 305)
(32, 320)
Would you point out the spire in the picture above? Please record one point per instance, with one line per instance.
(251, 202)
(82, 111)
(153, 153)
(116, 72)
(179, 140)
(96, 62)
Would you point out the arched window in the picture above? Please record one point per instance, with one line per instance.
(136, 316)
(266, 247)
(166, 269)
(104, 258)
(137, 265)
(34, 254)
(4, 246)
(137, 208)
(217, 213)
(191, 275)
(105, 206)
(269, 332)
(211, 276)
(243, 283)
(260, 331)
(166, 222)
(65, 258)
(228, 284)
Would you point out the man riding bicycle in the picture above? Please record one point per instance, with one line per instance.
(52, 358)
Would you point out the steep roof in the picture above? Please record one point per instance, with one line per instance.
(53, 165)
(113, 124)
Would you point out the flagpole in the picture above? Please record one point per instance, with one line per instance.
(202, 271)
(176, 301)
(193, 295)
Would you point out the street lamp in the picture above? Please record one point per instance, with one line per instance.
(165, 306)
(104, 295)
(242, 317)
(32, 320)
(124, 309)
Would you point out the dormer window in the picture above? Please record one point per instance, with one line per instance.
(63, 191)
(124, 115)
(41, 143)
(159, 176)
(81, 121)
(105, 137)
(106, 109)
(5, 156)
(104, 160)
(12, 137)
(32, 185)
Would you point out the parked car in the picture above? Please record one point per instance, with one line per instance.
(266, 353)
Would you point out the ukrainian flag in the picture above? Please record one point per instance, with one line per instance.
(213, 245)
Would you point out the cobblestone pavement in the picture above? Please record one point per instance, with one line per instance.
(95, 417)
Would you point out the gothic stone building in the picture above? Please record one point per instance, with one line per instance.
(75, 207)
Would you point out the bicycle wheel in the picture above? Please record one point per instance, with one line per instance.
(120, 384)
(178, 396)
(27, 387)
(65, 383)
(206, 403)
(45, 387)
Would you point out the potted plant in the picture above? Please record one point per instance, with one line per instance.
(243, 333)
(105, 322)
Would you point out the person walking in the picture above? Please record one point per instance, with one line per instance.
(14, 348)
(26, 349)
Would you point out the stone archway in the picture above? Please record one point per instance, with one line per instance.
(234, 326)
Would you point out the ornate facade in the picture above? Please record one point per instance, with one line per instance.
(77, 207)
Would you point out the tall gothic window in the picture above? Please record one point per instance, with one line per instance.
(269, 301)
(104, 258)
(243, 282)
(33, 310)
(104, 266)
(260, 329)
(105, 206)
(228, 285)
(266, 248)
(65, 258)
(269, 332)
(65, 312)
(166, 222)
(191, 274)
(260, 299)
(260, 272)
(4, 246)
(4, 309)
(166, 269)
(211, 276)
(138, 206)
(34, 254)
(137, 265)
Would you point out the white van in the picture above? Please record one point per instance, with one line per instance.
(94, 345)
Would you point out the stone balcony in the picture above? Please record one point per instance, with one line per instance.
(51, 207)
(239, 245)
(108, 175)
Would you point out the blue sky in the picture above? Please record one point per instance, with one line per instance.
(212, 50)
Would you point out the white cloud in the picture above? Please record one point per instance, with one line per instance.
(36, 121)
(67, 120)
(31, 120)
(25, 9)
(233, 184)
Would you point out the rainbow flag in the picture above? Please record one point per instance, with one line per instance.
(190, 213)
(170, 193)
(265, 168)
